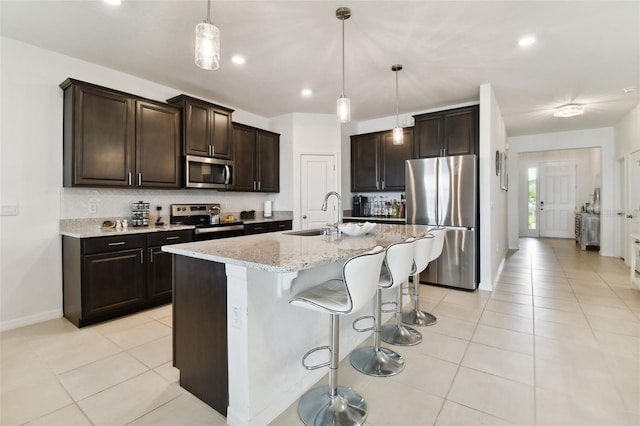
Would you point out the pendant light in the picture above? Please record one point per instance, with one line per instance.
(207, 43)
(397, 131)
(343, 104)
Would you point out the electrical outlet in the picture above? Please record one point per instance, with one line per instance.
(236, 316)
(10, 209)
(92, 208)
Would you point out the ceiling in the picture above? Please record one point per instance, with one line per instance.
(586, 53)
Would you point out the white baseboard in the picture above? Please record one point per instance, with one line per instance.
(30, 319)
(492, 285)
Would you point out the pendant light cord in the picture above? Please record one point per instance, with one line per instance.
(208, 21)
(397, 114)
(343, 56)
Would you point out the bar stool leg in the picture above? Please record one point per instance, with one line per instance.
(333, 404)
(399, 334)
(416, 316)
(376, 360)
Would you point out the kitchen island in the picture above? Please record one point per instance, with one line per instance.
(237, 342)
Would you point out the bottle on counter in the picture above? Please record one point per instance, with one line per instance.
(402, 206)
(395, 212)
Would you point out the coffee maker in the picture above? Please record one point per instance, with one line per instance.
(358, 208)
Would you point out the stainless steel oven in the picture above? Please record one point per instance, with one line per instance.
(206, 219)
(205, 172)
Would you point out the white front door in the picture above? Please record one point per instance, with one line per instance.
(557, 197)
(633, 199)
(318, 174)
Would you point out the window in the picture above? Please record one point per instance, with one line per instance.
(532, 198)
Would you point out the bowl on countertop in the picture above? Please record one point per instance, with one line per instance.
(355, 229)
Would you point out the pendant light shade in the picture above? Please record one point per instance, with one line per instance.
(343, 104)
(397, 131)
(207, 43)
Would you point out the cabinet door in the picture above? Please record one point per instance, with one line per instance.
(268, 161)
(221, 134)
(281, 225)
(99, 144)
(160, 275)
(461, 131)
(244, 147)
(428, 136)
(157, 146)
(365, 151)
(256, 228)
(197, 134)
(393, 160)
(113, 282)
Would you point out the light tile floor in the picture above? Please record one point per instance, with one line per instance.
(556, 343)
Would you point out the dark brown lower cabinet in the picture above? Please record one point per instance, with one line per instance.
(200, 329)
(263, 227)
(108, 277)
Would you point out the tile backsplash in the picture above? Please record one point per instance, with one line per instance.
(92, 202)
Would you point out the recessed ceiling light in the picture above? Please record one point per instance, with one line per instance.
(569, 111)
(237, 59)
(306, 92)
(113, 2)
(630, 89)
(526, 41)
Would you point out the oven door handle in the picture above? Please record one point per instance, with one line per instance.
(219, 229)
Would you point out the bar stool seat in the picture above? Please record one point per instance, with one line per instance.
(376, 360)
(333, 404)
(428, 249)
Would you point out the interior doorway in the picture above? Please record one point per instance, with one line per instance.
(318, 176)
(557, 203)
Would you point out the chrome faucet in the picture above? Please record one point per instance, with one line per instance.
(324, 207)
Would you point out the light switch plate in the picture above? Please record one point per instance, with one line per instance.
(9, 210)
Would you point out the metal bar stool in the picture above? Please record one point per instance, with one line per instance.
(428, 249)
(398, 333)
(333, 404)
(376, 360)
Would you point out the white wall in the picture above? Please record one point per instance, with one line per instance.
(31, 176)
(588, 176)
(627, 133)
(493, 200)
(602, 138)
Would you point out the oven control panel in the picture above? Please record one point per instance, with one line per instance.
(178, 210)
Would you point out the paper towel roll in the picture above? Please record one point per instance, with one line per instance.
(267, 209)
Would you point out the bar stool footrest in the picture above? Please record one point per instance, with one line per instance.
(311, 351)
(362, 330)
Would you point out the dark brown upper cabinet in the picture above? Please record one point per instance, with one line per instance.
(377, 164)
(446, 133)
(114, 139)
(257, 159)
(207, 127)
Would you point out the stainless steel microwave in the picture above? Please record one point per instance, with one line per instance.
(205, 172)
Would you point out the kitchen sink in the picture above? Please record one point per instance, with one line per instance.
(307, 232)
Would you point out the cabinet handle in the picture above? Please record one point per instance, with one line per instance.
(254, 185)
(139, 179)
(141, 256)
(377, 185)
(213, 150)
(259, 185)
(150, 255)
(119, 243)
(129, 179)
(382, 184)
(175, 237)
(227, 174)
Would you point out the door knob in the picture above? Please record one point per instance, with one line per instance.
(629, 216)
(304, 216)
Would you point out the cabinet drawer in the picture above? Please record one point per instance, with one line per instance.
(169, 237)
(256, 228)
(284, 225)
(110, 244)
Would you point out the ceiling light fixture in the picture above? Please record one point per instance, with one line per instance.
(306, 92)
(526, 41)
(630, 89)
(569, 111)
(113, 2)
(207, 43)
(343, 104)
(238, 59)
(397, 131)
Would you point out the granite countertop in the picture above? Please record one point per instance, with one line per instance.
(280, 252)
(91, 228)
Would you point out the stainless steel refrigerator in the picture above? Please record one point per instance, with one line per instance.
(443, 192)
